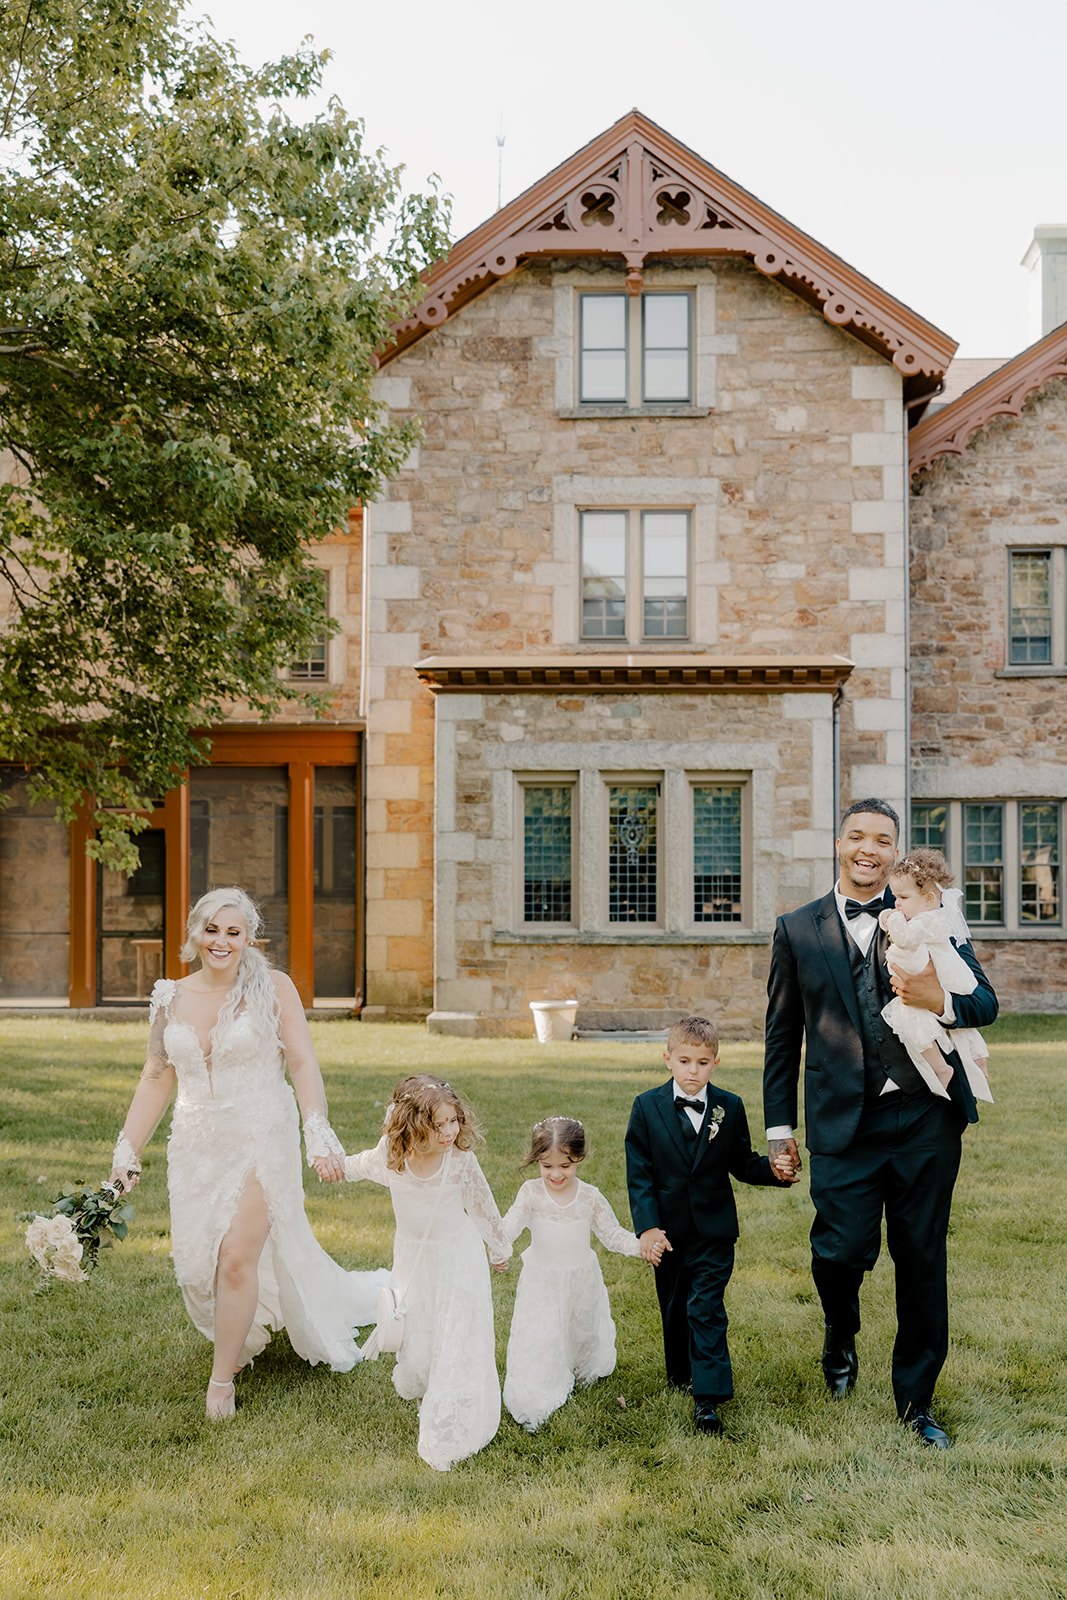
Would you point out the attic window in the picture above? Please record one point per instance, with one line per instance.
(613, 326)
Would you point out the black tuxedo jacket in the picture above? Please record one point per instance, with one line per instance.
(683, 1185)
(811, 995)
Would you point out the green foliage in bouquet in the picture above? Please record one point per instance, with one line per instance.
(66, 1244)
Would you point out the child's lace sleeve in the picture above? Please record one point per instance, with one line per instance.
(368, 1164)
(609, 1230)
(518, 1216)
(482, 1209)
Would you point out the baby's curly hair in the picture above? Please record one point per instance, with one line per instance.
(408, 1125)
(925, 867)
(555, 1133)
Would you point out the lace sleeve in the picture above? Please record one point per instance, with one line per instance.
(153, 1092)
(609, 1230)
(518, 1216)
(368, 1164)
(482, 1209)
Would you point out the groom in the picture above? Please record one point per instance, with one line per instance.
(879, 1141)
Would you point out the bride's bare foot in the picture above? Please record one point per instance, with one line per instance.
(221, 1400)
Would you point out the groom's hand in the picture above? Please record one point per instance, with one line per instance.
(921, 989)
(784, 1157)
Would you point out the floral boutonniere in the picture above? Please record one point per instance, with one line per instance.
(717, 1114)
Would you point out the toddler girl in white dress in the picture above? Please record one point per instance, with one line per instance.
(444, 1208)
(922, 927)
(561, 1327)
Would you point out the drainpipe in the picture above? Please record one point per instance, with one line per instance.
(836, 740)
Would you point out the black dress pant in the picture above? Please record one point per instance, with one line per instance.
(690, 1283)
(903, 1162)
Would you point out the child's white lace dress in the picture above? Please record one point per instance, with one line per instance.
(235, 1119)
(448, 1355)
(561, 1327)
(926, 938)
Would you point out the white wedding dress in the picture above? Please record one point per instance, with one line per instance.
(561, 1327)
(448, 1356)
(235, 1118)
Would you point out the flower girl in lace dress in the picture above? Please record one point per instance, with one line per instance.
(244, 1254)
(444, 1208)
(561, 1327)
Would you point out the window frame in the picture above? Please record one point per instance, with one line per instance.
(721, 780)
(634, 578)
(1012, 925)
(295, 672)
(637, 779)
(546, 780)
(635, 349)
(1056, 666)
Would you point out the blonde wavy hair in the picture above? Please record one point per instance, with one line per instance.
(253, 992)
(408, 1125)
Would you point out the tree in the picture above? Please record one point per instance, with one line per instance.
(192, 290)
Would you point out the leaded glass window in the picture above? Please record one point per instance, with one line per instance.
(717, 853)
(1039, 862)
(547, 854)
(632, 853)
(983, 858)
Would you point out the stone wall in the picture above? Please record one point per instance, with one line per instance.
(981, 729)
(796, 474)
(490, 966)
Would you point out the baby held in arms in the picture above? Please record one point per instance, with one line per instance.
(925, 925)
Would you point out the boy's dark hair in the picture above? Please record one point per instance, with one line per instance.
(556, 1133)
(693, 1030)
(881, 808)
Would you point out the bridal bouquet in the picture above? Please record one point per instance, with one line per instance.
(65, 1244)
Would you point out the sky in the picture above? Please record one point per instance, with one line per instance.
(922, 141)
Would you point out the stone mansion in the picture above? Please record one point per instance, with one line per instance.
(697, 548)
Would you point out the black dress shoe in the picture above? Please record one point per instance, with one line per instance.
(840, 1364)
(921, 1421)
(706, 1419)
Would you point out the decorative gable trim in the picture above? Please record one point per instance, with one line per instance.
(1003, 394)
(636, 192)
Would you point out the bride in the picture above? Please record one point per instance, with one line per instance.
(244, 1253)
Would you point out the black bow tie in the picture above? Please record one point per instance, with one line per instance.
(863, 908)
(690, 1105)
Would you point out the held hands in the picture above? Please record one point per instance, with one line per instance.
(331, 1169)
(500, 1266)
(785, 1159)
(920, 989)
(652, 1243)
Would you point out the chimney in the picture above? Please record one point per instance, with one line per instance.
(1046, 259)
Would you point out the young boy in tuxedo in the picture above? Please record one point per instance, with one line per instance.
(683, 1142)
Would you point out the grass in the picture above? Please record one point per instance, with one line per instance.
(111, 1482)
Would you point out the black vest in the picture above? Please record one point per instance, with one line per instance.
(883, 1054)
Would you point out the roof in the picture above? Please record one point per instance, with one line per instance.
(636, 192)
(1002, 394)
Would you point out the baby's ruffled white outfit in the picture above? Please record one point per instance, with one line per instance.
(448, 1355)
(235, 1117)
(926, 938)
(561, 1327)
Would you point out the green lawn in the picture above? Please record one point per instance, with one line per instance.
(113, 1485)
